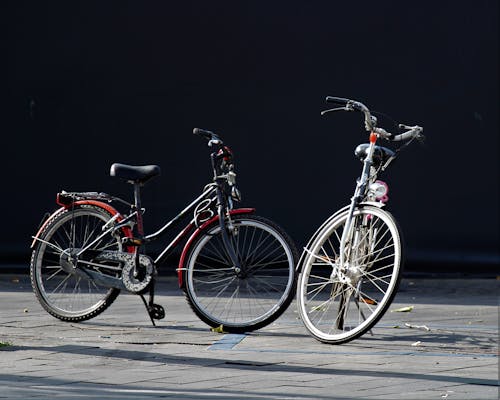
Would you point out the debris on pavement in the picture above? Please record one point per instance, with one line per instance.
(219, 329)
(403, 309)
(421, 327)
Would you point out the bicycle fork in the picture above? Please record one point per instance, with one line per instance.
(362, 183)
(347, 244)
(225, 237)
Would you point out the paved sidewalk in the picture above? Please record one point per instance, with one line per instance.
(445, 348)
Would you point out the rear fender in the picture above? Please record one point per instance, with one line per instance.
(206, 225)
(126, 230)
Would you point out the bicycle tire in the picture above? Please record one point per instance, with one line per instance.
(335, 305)
(64, 295)
(242, 302)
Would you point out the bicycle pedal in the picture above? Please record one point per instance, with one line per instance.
(156, 311)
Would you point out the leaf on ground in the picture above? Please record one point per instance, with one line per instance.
(403, 309)
(219, 329)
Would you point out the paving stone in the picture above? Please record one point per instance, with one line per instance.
(120, 355)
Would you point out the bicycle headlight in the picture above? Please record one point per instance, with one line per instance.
(379, 189)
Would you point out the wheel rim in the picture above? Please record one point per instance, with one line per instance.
(70, 294)
(338, 304)
(247, 298)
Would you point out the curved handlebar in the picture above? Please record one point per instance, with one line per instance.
(350, 105)
(370, 122)
(208, 135)
(413, 131)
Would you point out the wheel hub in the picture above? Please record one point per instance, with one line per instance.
(354, 273)
(347, 274)
(240, 272)
(68, 260)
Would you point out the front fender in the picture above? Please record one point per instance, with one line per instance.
(206, 225)
(126, 230)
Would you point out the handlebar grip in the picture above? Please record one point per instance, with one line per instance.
(337, 100)
(414, 132)
(203, 133)
(209, 136)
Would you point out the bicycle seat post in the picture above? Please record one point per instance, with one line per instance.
(138, 209)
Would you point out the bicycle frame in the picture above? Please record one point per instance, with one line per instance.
(208, 198)
(361, 243)
(206, 195)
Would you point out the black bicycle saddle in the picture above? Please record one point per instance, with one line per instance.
(134, 174)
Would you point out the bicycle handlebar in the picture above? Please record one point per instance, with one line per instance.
(413, 131)
(221, 153)
(370, 122)
(211, 137)
(350, 105)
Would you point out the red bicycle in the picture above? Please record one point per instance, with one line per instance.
(237, 269)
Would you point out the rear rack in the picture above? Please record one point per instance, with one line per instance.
(64, 198)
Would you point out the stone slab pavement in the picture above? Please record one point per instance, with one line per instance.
(445, 348)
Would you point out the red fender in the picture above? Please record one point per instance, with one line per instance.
(126, 230)
(196, 233)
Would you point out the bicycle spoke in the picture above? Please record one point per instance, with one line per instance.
(342, 306)
(67, 295)
(252, 294)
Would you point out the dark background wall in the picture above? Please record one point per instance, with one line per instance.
(90, 83)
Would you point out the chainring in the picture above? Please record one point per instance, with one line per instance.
(135, 279)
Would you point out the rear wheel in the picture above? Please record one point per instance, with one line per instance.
(243, 300)
(338, 303)
(63, 291)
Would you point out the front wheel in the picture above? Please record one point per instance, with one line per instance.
(245, 300)
(339, 303)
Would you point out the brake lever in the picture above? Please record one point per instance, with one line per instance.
(335, 109)
(407, 127)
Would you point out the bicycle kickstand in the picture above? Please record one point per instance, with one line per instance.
(155, 311)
